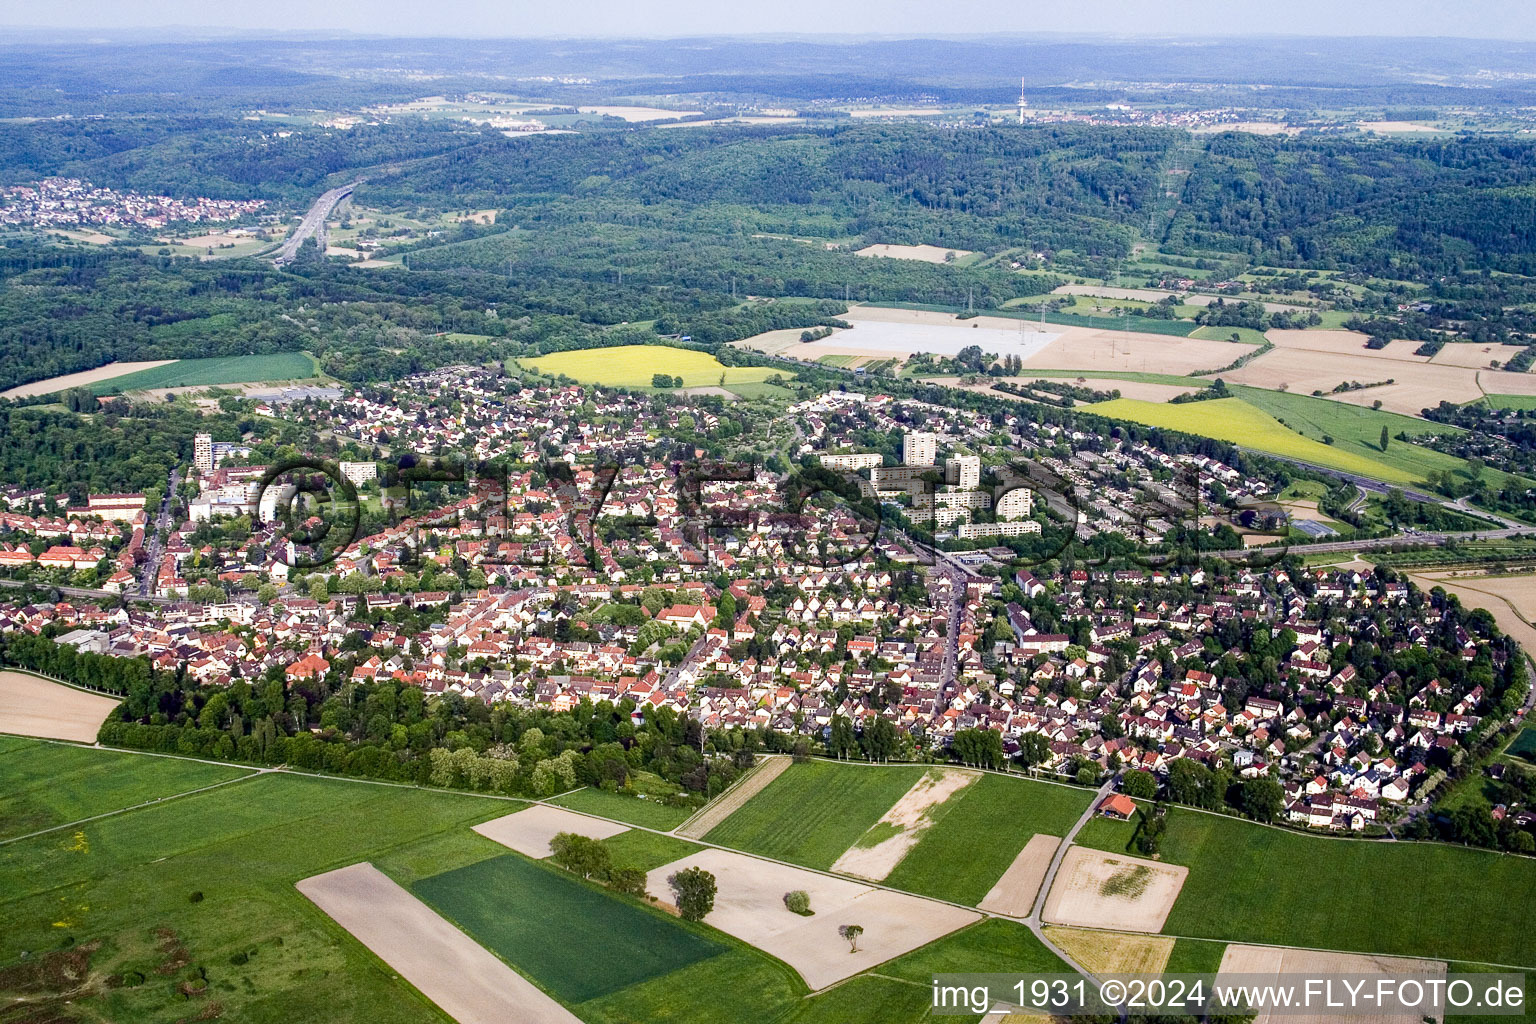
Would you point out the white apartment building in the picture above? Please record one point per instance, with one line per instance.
(964, 471)
(1016, 503)
(920, 449)
(854, 461)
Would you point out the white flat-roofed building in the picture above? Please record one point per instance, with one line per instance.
(1016, 503)
(852, 460)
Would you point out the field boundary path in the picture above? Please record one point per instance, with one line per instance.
(726, 804)
(1032, 922)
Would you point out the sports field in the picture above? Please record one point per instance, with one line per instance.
(49, 784)
(557, 929)
(815, 811)
(1252, 883)
(632, 366)
(1236, 421)
(966, 851)
(207, 372)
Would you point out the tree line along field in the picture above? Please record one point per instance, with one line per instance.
(217, 370)
(633, 366)
(1255, 883)
(50, 784)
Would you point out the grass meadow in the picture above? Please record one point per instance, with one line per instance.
(50, 784)
(982, 830)
(813, 812)
(199, 891)
(629, 809)
(1251, 883)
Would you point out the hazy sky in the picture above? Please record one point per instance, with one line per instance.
(1502, 19)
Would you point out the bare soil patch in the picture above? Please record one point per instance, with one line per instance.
(1267, 963)
(465, 980)
(749, 905)
(926, 253)
(1351, 343)
(1114, 952)
(33, 706)
(1015, 892)
(529, 831)
(700, 825)
(877, 852)
(81, 379)
(1111, 890)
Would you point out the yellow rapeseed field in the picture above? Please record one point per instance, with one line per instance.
(1234, 420)
(632, 366)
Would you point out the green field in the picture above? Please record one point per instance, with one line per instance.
(982, 830)
(218, 370)
(1250, 883)
(647, 850)
(50, 784)
(1524, 744)
(632, 366)
(1526, 402)
(557, 929)
(1246, 335)
(120, 892)
(813, 812)
(1194, 956)
(635, 811)
(1237, 421)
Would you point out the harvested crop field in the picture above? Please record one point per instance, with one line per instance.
(33, 706)
(1265, 965)
(1114, 952)
(1101, 890)
(446, 965)
(726, 804)
(877, 852)
(1344, 343)
(1511, 600)
(529, 831)
(1417, 383)
(925, 253)
(1474, 354)
(83, 379)
(578, 941)
(1015, 893)
(750, 906)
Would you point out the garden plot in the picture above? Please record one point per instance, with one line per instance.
(749, 905)
(1102, 890)
(1014, 894)
(453, 970)
(529, 831)
(33, 706)
(880, 849)
(1267, 963)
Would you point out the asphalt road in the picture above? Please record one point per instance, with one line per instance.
(313, 222)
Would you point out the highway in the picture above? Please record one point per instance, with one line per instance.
(313, 223)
